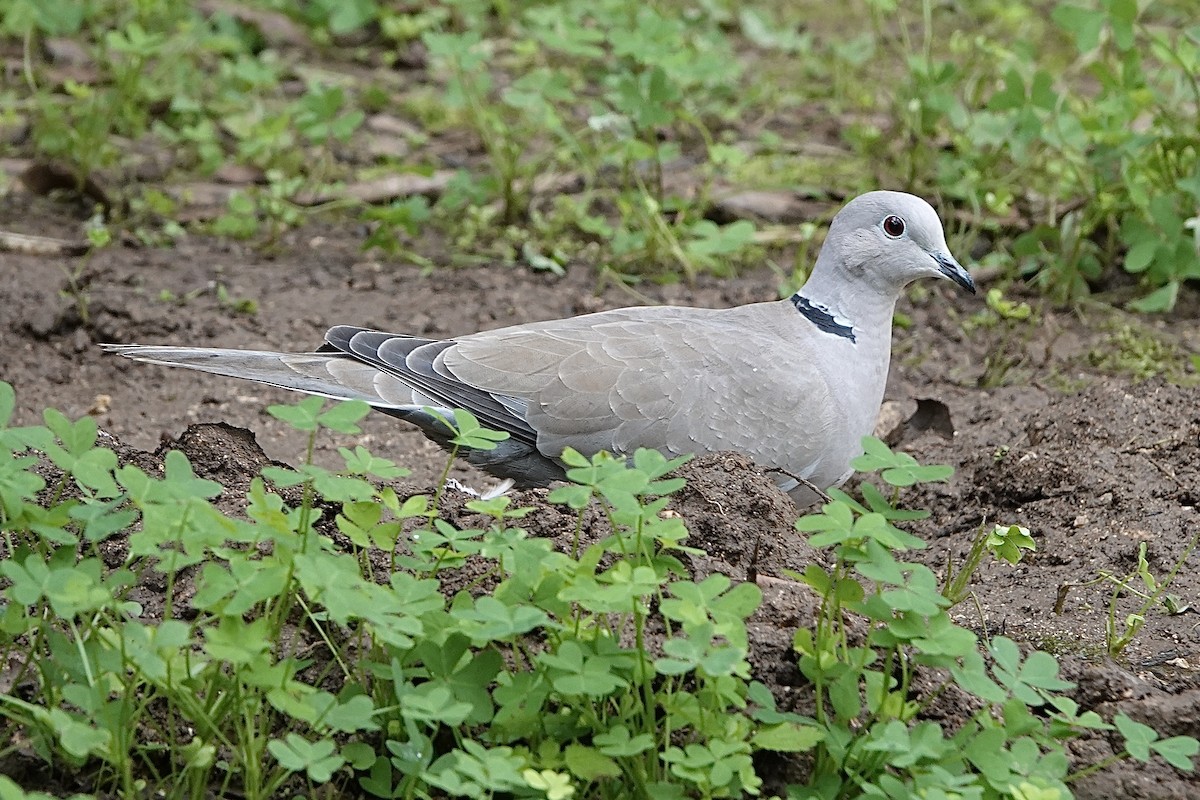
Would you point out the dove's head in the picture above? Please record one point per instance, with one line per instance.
(888, 240)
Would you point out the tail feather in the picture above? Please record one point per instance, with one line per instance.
(392, 388)
(332, 375)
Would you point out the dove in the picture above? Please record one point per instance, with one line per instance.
(795, 384)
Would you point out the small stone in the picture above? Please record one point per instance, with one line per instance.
(100, 405)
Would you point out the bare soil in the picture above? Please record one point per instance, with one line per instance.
(1092, 463)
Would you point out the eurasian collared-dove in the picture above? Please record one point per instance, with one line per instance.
(795, 383)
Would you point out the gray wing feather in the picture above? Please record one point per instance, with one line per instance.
(418, 365)
(413, 362)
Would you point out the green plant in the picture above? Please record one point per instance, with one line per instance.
(867, 735)
(1120, 633)
(530, 681)
(273, 204)
(278, 662)
(1140, 352)
(1005, 542)
(1103, 145)
(130, 51)
(502, 131)
(76, 289)
(601, 85)
(402, 215)
(1065, 141)
(1011, 326)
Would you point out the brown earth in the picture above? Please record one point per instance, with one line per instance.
(1092, 463)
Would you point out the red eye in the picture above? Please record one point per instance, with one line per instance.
(893, 226)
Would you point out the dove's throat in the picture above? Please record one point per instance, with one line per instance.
(855, 367)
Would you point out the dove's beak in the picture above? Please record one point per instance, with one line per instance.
(954, 271)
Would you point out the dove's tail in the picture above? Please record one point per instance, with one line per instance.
(342, 377)
(334, 375)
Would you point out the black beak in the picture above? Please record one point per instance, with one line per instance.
(954, 271)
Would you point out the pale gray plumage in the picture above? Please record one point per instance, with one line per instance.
(794, 383)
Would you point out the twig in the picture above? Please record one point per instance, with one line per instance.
(804, 481)
(40, 245)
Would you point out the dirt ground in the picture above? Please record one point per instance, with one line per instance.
(1092, 463)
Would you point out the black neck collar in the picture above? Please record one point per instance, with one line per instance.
(819, 315)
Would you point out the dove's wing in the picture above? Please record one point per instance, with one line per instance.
(678, 380)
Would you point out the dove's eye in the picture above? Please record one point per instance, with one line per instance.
(893, 226)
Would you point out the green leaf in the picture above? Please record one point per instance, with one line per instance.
(1140, 254)
(919, 594)
(77, 437)
(494, 621)
(1138, 737)
(973, 676)
(834, 525)
(655, 465)
(343, 416)
(1178, 751)
(467, 430)
(302, 415)
(576, 671)
(788, 737)
(359, 755)
(910, 474)
(102, 520)
(572, 496)
(434, 703)
(898, 469)
(349, 15)
(762, 29)
(589, 763)
(876, 456)
(815, 577)
(78, 738)
(60, 19)
(942, 637)
(1159, 301)
(316, 759)
(714, 240)
(1121, 16)
(1010, 542)
(1028, 681)
(1084, 23)
(553, 785)
(94, 469)
(354, 714)
(236, 641)
(618, 743)
(284, 477)
(477, 771)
